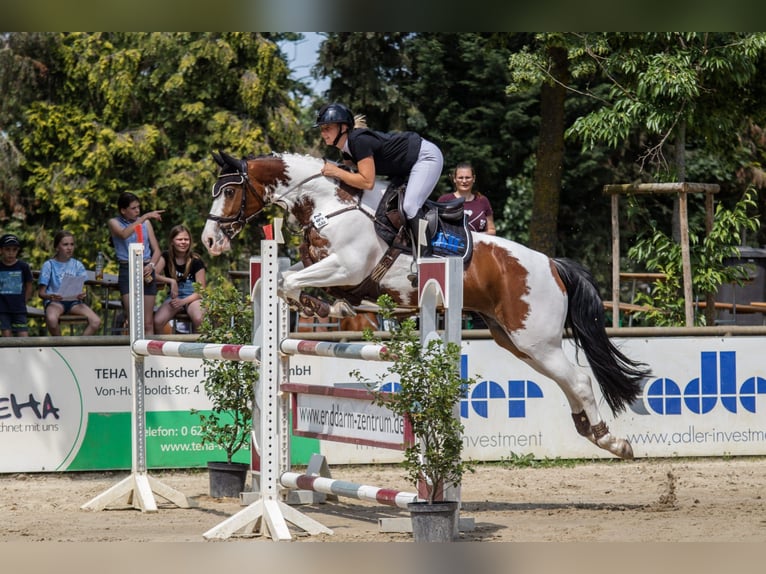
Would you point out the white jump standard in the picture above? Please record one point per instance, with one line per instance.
(139, 488)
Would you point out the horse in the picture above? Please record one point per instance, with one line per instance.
(527, 299)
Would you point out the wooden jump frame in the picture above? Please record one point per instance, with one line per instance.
(682, 189)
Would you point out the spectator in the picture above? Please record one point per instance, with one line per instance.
(16, 285)
(478, 213)
(180, 267)
(51, 276)
(476, 205)
(123, 229)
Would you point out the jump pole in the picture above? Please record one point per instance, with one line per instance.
(139, 488)
(385, 496)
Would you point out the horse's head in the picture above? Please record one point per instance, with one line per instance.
(240, 193)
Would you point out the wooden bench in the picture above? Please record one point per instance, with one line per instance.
(629, 307)
(183, 318)
(735, 307)
(65, 319)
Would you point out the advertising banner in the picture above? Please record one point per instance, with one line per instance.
(69, 408)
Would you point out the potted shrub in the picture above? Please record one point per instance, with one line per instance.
(430, 389)
(228, 319)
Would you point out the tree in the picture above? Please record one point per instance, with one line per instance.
(666, 84)
(366, 71)
(550, 154)
(684, 96)
(142, 112)
(449, 87)
(22, 79)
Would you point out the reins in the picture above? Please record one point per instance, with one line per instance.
(296, 186)
(235, 223)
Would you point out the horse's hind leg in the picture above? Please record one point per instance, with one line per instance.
(575, 383)
(577, 387)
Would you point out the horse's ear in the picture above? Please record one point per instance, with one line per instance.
(218, 159)
(231, 161)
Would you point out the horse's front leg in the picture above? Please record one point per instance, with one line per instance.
(326, 273)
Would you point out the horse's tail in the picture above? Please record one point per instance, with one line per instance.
(618, 376)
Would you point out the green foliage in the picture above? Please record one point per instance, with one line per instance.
(528, 461)
(657, 252)
(96, 114)
(512, 218)
(659, 81)
(229, 384)
(88, 115)
(431, 389)
(628, 95)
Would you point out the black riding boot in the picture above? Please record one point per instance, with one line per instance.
(413, 225)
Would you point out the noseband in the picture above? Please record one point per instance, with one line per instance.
(231, 226)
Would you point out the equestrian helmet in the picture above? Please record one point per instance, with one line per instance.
(334, 113)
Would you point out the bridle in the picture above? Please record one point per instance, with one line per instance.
(230, 226)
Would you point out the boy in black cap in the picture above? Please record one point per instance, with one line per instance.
(16, 286)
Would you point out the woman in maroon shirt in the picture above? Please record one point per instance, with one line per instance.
(476, 206)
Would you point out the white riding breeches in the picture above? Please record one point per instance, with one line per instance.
(423, 178)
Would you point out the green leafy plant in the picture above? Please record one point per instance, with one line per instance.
(229, 384)
(659, 253)
(529, 461)
(430, 391)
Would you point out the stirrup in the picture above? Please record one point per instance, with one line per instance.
(412, 276)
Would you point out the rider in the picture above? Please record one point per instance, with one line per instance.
(394, 154)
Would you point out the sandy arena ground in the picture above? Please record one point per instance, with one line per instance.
(680, 500)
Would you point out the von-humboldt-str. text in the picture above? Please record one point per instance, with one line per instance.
(104, 374)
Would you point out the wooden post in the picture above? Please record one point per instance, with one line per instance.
(709, 297)
(615, 260)
(683, 189)
(685, 259)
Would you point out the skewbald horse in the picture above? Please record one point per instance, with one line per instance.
(526, 298)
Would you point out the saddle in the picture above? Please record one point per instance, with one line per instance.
(447, 231)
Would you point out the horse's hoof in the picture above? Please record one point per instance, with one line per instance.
(620, 448)
(625, 450)
(342, 309)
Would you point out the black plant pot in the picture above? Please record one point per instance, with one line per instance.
(434, 522)
(227, 479)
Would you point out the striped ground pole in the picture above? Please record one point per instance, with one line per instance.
(366, 351)
(197, 350)
(386, 496)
